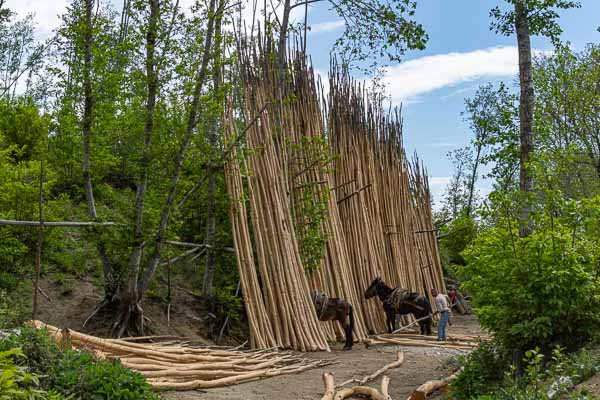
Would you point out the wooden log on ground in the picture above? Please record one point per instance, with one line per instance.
(398, 362)
(367, 391)
(329, 383)
(415, 343)
(429, 387)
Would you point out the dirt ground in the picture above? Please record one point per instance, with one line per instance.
(421, 364)
(71, 302)
(591, 386)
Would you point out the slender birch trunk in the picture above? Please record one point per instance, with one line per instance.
(526, 106)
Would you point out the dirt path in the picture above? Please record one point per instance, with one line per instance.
(420, 365)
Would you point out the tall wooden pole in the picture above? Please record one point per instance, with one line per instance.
(38, 253)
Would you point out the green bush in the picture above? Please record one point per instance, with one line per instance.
(16, 383)
(486, 376)
(12, 310)
(546, 382)
(542, 290)
(79, 375)
(483, 368)
(39, 351)
(73, 374)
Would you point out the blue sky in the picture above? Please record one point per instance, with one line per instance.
(462, 54)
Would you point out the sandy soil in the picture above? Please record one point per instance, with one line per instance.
(420, 365)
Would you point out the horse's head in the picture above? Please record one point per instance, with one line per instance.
(372, 290)
(317, 298)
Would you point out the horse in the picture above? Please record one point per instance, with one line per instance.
(401, 301)
(334, 309)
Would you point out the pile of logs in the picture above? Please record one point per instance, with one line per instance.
(377, 217)
(459, 342)
(173, 365)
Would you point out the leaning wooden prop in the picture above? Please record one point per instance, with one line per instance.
(334, 309)
(401, 301)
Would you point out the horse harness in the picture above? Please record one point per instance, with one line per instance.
(321, 301)
(401, 296)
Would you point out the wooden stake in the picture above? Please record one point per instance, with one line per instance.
(40, 240)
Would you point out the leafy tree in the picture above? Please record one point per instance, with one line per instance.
(528, 17)
(23, 130)
(373, 28)
(541, 290)
(20, 55)
(567, 121)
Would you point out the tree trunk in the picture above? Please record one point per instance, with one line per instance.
(525, 114)
(88, 108)
(130, 307)
(209, 270)
(40, 241)
(285, 20)
(191, 124)
(472, 180)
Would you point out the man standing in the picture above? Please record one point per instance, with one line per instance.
(442, 307)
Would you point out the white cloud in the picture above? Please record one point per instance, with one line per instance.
(46, 13)
(408, 80)
(437, 185)
(326, 26)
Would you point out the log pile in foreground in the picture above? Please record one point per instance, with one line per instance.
(175, 366)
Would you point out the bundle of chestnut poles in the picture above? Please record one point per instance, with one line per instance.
(175, 365)
(343, 151)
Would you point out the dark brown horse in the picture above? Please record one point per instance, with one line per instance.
(401, 301)
(334, 309)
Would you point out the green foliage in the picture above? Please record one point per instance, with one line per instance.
(567, 103)
(12, 311)
(378, 29)
(541, 14)
(227, 303)
(39, 351)
(545, 382)
(18, 384)
(486, 375)
(311, 201)
(23, 129)
(460, 233)
(483, 367)
(79, 375)
(543, 289)
(73, 374)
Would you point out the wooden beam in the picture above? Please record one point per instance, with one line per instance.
(355, 192)
(65, 224)
(184, 244)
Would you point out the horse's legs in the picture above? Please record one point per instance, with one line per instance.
(390, 321)
(347, 327)
(348, 334)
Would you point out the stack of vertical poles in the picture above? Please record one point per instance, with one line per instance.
(375, 200)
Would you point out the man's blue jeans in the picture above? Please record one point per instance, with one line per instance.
(442, 325)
